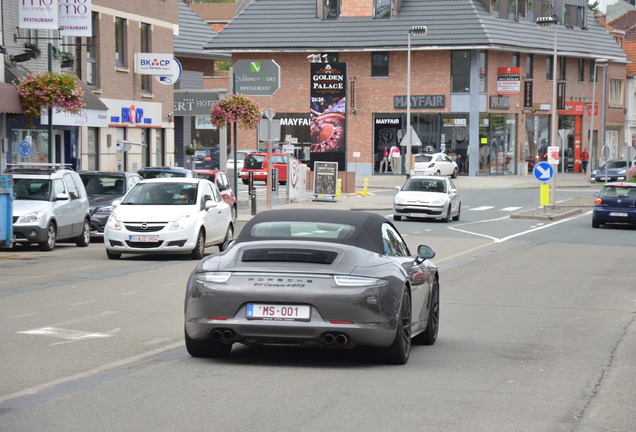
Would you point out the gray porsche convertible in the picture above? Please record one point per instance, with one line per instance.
(321, 278)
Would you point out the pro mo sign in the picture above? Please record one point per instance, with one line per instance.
(256, 77)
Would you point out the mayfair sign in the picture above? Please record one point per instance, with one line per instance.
(421, 102)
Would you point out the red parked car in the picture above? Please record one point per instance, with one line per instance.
(257, 163)
(222, 182)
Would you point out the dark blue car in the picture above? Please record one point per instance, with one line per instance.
(615, 203)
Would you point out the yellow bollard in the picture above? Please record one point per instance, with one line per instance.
(365, 188)
(339, 188)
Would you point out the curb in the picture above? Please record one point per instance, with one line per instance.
(547, 214)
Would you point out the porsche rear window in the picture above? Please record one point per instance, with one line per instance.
(302, 230)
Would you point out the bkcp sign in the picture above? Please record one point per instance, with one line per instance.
(256, 77)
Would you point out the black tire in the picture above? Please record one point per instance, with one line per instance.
(113, 255)
(207, 348)
(595, 223)
(245, 181)
(429, 336)
(199, 248)
(447, 218)
(397, 218)
(459, 211)
(85, 238)
(229, 235)
(51, 235)
(399, 351)
(454, 174)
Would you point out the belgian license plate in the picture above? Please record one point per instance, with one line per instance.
(618, 214)
(278, 312)
(418, 215)
(143, 238)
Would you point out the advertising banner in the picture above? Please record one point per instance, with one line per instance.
(508, 80)
(75, 18)
(38, 14)
(328, 107)
(154, 64)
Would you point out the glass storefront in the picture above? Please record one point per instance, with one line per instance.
(497, 143)
(29, 145)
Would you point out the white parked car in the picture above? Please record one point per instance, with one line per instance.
(240, 159)
(169, 215)
(429, 197)
(434, 164)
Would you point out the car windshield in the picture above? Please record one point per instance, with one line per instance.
(254, 161)
(615, 164)
(162, 194)
(161, 174)
(302, 230)
(103, 184)
(424, 185)
(32, 189)
(618, 192)
(423, 158)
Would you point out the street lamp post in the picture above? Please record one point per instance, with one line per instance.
(593, 146)
(417, 30)
(547, 22)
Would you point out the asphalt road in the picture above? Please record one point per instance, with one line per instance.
(537, 334)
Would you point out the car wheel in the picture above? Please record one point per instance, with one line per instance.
(448, 216)
(207, 348)
(229, 235)
(199, 248)
(51, 234)
(454, 174)
(397, 218)
(113, 255)
(595, 223)
(459, 210)
(399, 351)
(85, 238)
(245, 181)
(429, 336)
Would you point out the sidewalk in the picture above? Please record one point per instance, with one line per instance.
(385, 183)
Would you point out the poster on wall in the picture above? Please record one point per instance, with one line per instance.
(508, 80)
(328, 108)
(38, 15)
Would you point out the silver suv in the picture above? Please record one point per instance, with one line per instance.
(50, 204)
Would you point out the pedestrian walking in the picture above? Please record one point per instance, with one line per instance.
(585, 158)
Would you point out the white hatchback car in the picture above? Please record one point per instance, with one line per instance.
(434, 164)
(169, 215)
(427, 197)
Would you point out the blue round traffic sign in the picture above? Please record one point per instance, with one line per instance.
(543, 171)
(24, 148)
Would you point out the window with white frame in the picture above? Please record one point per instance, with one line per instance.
(616, 96)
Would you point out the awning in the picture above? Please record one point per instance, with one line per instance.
(9, 99)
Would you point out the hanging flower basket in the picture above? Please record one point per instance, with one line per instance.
(50, 89)
(236, 108)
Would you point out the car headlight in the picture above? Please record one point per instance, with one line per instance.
(594, 172)
(439, 201)
(400, 200)
(182, 223)
(32, 217)
(622, 172)
(105, 210)
(214, 277)
(113, 223)
(357, 281)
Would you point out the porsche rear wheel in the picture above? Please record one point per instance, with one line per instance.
(399, 351)
(207, 348)
(429, 336)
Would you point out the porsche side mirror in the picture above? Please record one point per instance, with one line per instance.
(425, 252)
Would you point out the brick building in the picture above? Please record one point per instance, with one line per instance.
(481, 78)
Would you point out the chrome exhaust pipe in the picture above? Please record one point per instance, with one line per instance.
(342, 339)
(228, 335)
(328, 339)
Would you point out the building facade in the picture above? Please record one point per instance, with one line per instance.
(481, 80)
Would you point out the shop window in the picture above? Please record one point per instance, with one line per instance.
(460, 71)
(616, 98)
(382, 8)
(159, 147)
(39, 146)
(380, 64)
(120, 42)
(330, 9)
(92, 147)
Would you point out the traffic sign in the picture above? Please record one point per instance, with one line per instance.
(24, 148)
(256, 77)
(543, 171)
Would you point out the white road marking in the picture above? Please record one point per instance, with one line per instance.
(482, 208)
(510, 209)
(73, 335)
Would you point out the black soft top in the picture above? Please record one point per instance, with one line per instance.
(367, 234)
